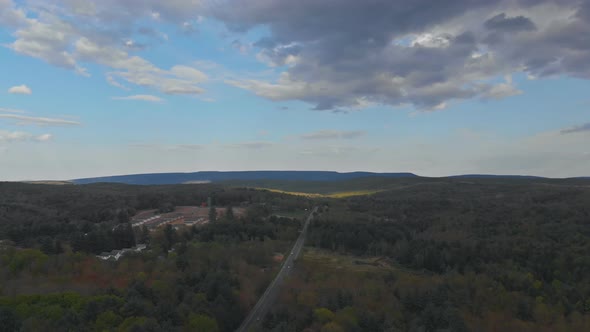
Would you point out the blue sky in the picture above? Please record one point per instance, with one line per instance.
(91, 88)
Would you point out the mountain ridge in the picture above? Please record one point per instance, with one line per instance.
(221, 176)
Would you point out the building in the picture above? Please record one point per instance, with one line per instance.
(116, 254)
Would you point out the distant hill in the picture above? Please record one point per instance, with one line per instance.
(491, 176)
(196, 177)
(259, 178)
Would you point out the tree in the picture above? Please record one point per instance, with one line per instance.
(123, 236)
(166, 207)
(143, 235)
(9, 321)
(202, 323)
(123, 216)
(58, 247)
(229, 214)
(323, 315)
(107, 320)
(170, 236)
(212, 214)
(332, 327)
(47, 246)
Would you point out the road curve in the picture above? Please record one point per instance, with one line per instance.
(266, 300)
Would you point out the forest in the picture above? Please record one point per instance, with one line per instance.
(433, 255)
(190, 279)
(446, 256)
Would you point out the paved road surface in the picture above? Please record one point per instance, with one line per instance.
(266, 300)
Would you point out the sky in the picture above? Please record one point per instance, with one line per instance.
(93, 88)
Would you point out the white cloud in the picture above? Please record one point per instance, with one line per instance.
(285, 88)
(40, 121)
(440, 106)
(189, 73)
(48, 40)
(502, 90)
(136, 70)
(10, 110)
(8, 136)
(19, 136)
(10, 15)
(63, 35)
(430, 40)
(334, 134)
(44, 137)
(20, 89)
(112, 81)
(82, 7)
(149, 98)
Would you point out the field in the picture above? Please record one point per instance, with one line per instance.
(340, 194)
(372, 185)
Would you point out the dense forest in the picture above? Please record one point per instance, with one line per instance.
(433, 255)
(202, 278)
(446, 256)
(85, 217)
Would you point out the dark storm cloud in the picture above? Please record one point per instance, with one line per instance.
(344, 54)
(350, 53)
(584, 12)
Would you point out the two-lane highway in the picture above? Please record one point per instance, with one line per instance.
(263, 305)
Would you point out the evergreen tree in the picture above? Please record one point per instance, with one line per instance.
(58, 247)
(229, 214)
(170, 236)
(145, 235)
(123, 216)
(212, 214)
(47, 246)
(9, 321)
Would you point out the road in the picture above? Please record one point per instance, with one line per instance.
(266, 300)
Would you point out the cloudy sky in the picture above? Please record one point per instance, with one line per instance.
(90, 88)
